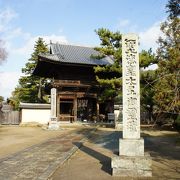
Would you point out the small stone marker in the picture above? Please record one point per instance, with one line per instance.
(131, 160)
(118, 119)
(53, 103)
(53, 124)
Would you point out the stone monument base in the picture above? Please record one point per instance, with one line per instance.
(53, 125)
(131, 147)
(131, 166)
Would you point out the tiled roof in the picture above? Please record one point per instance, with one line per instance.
(34, 106)
(76, 55)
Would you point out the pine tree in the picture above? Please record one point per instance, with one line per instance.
(1, 98)
(167, 95)
(110, 76)
(31, 88)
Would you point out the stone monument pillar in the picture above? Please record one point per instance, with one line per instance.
(131, 160)
(53, 124)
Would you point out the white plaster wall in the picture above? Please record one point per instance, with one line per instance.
(41, 116)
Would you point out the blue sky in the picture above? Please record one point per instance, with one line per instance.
(72, 22)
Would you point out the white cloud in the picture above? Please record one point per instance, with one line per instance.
(55, 38)
(6, 27)
(19, 45)
(17, 33)
(125, 26)
(26, 41)
(8, 81)
(6, 16)
(28, 46)
(149, 37)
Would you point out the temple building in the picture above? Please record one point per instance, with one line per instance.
(71, 69)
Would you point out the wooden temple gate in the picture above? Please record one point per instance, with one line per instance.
(72, 70)
(75, 101)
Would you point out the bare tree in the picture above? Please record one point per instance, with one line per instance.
(3, 52)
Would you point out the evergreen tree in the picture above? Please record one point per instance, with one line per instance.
(110, 76)
(167, 95)
(1, 98)
(31, 88)
(148, 79)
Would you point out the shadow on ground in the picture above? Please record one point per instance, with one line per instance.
(108, 140)
(102, 144)
(103, 159)
(162, 148)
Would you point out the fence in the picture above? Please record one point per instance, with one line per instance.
(11, 117)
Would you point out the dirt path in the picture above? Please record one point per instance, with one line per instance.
(93, 160)
(15, 138)
(41, 160)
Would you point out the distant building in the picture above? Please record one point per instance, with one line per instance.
(71, 68)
